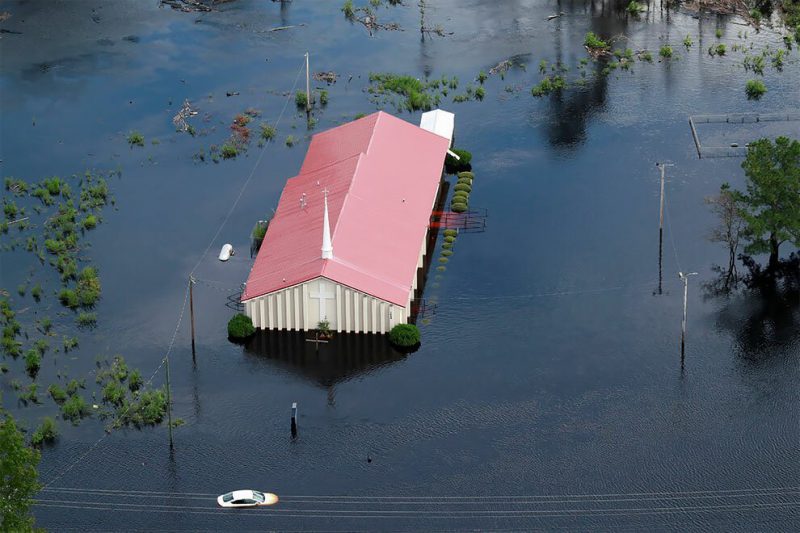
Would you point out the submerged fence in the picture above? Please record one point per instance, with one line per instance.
(734, 149)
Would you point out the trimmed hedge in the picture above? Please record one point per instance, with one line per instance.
(462, 187)
(240, 327)
(449, 239)
(450, 233)
(469, 175)
(466, 181)
(454, 166)
(404, 335)
(458, 208)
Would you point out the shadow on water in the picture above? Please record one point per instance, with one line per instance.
(763, 318)
(343, 357)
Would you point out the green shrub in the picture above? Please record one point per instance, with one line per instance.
(135, 380)
(74, 409)
(301, 99)
(136, 138)
(466, 175)
(719, 49)
(57, 393)
(55, 246)
(69, 298)
(480, 93)
(36, 292)
(755, 89)
(290, 140)
(114, 393)
(259, 230)
(53, 185)
(634, 7)
(482, 77)
(147, 410)
(404, 335)
(464, 181)
(268, 132)
(73, 385)
(348, 10)
(450, 233)
(33, 361)
(462, 187)
(240, 327)
(90, 222)
(594, 42)
(46, 432)
(449, 238)
(88, 289)
(447, 253)
(70, 343)
(323, 97)
(666, 51)
(687, 41)
(229, 150)
(458, 208)
(86, 319)
(454, 166)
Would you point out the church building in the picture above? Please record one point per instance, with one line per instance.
(350, 231)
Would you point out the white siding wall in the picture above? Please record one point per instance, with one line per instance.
(298, 308)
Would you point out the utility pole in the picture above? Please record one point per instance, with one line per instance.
(662, 167)
(169, 405)
(308, 88)
(685, 279)
(191, 312)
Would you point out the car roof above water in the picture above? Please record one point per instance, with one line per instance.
(242, 494)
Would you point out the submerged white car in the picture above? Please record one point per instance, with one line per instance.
(246, 498)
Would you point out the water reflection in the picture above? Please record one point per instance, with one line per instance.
(344, 357)
(764, 319)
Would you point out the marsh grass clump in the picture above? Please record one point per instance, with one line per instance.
(414, 91)
(665, 52)
(45, 433)
(229, 150)
(349, 10)
(57, 394)
(135, 139)
(549, 85)
(687, 41)
(29, 394)
(267, 132)
(33, 362)
(301, 99)
(290, 140)
(86, 320)
(755, 89)
(74, 409)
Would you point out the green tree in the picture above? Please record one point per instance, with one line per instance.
(19, 480)
(771, 206)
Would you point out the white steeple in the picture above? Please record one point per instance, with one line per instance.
(327, 246)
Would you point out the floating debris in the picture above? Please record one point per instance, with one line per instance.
(328, 77)
(180, 120)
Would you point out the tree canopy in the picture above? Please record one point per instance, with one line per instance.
(770, 206)
(19, 479)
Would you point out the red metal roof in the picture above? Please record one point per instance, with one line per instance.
(382, 175)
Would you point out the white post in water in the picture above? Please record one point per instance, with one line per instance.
(685, 278)
(308, 87)
(294, 419)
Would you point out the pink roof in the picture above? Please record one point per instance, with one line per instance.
(382, 175)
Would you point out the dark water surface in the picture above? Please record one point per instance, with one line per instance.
(549, 366)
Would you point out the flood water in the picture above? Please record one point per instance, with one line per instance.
(548, 391)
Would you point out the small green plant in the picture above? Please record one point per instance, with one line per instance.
(86, 320)
(687, 41)
(323, 97)
(480, 93)
(755, 89)
(482, 77)
(57, 393)
(267, 132)
(136, 139)
(240, 327)
(348, 10)
(404, 335)
(33, 361)
(74, 408)
(301, 99)
(73, 386)
(36, 292)
(114, 393)
(290, 140)
(45, 433)
(135, 381)
(90, 222)
(451, 233)
(718, 33)
(22, 289)
(646, 55)
(634, 7)
(229, 150)
(593, 42)
(324, 327)
(718, 50)
(665, 52)
(70, 343)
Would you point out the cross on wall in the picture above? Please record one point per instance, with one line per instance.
(323, 297)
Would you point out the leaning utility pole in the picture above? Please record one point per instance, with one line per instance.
(308, 87)
(685, 279)
(169, 404)
(191, 312)
(662, 167)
